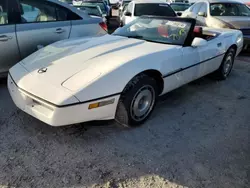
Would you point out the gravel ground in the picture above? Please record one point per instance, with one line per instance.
(198, 136)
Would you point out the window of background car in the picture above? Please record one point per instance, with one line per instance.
(156, 30)
(203, 8)
(229, 9)
(179, 6)
(153, 9)
(100, 4)
(196, 8)
(124, 7)
(35, 11)
(3, 13)
(62, 14)
(130, 7)
(92, 10)
(191, 8)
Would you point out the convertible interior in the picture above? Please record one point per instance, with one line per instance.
(207, 35)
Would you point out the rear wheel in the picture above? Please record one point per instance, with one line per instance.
(137, 101)
(226, 66)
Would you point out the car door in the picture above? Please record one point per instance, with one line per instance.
(199, 61)
(42, 23)
(210, 56)
(9, 53)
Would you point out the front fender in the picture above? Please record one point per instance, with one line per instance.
(109, 83)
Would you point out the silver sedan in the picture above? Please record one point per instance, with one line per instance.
(30, 24)
(222, 14)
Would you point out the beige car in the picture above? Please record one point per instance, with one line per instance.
(222, 14)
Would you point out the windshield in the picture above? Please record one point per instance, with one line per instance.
(91, 10)
(167, 31)
(100, 4)
(125, 7)
(153, 9)
(125, 2)
(229, 9)
(179, 6)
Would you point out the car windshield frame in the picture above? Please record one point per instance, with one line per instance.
(186, 5)
(187, 41)
(229, 3)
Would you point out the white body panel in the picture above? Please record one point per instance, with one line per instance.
(80, 72)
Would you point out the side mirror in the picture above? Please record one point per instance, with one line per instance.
(197, 42)
(128, 14)
(179, 13)
(203, 14)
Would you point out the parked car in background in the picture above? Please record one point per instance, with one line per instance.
(107, 2)
(222, 14)
(93, 10)
(102, 4)
(139, 8)
(114, 3)
(120, 76)
(33, 24)
(122, 9)
(179, 8)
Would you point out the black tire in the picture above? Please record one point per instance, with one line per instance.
(222, 73)
(130, 99)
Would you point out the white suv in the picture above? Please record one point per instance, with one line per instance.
(139, 8)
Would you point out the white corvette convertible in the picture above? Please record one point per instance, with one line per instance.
(120, 76)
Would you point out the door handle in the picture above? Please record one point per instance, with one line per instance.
(219, 44)
(59, 30)
(5, 38)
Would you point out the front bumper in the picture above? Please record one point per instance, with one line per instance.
(56, 115)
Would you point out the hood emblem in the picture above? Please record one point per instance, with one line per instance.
(42, 70)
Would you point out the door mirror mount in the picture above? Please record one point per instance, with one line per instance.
(202, 14)
(179, 13)
(197, 42)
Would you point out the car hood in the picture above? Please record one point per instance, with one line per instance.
(237, 21)
(96, 55)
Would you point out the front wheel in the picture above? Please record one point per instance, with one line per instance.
(137, 101)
